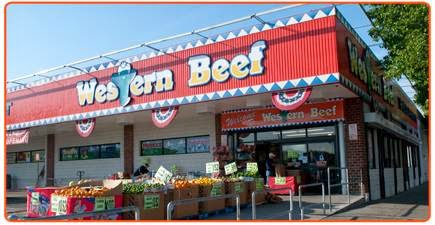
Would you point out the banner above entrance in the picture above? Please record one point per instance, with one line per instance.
(17, 137)
(272, 117)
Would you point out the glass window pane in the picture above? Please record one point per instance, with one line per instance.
(295, 154)
(174, 146)
(321, 131)
(38, 156)
(89, 152)
(322, 154)
(11, 158)
(110, 151)
(245, 137)
(67, 154)
(295, 133)
(269, 135)
(198, 144)
(23, 157)
(154, 147)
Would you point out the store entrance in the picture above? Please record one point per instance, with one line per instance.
(262, 151)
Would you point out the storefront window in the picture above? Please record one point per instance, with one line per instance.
(110, 151)
(174, 146)
(198, 144)
(154, 147)
(322, 154)
(268, 136)
(89, 152)
(23, 157)
(321, 131)
(11, 158)
(67, 154)
(38, 156)
(295, 155)
(295, 133)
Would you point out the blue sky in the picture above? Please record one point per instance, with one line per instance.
(44, 36)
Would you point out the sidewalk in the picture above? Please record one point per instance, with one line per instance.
(409, 205)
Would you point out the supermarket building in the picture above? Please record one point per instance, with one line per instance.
(225, 90)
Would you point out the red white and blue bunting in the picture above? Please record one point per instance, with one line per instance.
(85, 127)
(163, 117)
(290, 100)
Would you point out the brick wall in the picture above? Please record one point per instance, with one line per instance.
(356, 150)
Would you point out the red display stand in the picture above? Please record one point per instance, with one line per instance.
(282, 182)
(38, 201)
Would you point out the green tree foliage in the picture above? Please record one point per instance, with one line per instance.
(403, 28)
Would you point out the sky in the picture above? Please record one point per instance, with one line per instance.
(44, 36)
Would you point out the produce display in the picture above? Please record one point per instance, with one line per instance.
(182, 184)
(203, 181)
(137, 188)
(82, 192)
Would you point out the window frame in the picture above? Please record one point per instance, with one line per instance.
(162, 141)
(31, 158)
(79, 148)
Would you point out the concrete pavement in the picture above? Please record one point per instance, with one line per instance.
(409, 205)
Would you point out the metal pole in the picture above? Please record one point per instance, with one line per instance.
(323, 199)
(300, 202)
(169, 209)
(238, 207)
(290, 213)
(329, 189)
(348, 187)
(342, 148)
(136, 213)
(254, 210)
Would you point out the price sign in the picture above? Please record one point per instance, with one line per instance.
(212, 167)
(279, 180)
(238, 188)
(259, 185)
(100, 204)
(230, 168)
(252, 167)
(61, 208)
(151, 201)
(35, 198)
(163, 174)
(216, 190)
(110, 202)
(54, 203)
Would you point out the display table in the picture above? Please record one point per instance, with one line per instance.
(282, 182)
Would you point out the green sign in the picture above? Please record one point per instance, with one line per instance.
(238, 188)
(280, 180)
(259, 185)
(110, 202)
(35, 198)
(163, 174)
(230, 168)
(61, 208)
(216, 190)
(212, 167)
(54, 203)
(151, 201)
(100, 204)
(252, 167)
(292, 154)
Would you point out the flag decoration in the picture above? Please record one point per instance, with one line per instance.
(290, 100)
(163, 117)
(85, 127)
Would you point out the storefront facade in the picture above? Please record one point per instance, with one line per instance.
(304, 88)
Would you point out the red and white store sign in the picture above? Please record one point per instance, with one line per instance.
(17, 137)
(272, 117)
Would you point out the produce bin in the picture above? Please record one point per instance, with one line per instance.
(211, 190)
(186, 210)
(257, 184)
(283, 182)
(240, 188)
(151, 205)
(38, 201)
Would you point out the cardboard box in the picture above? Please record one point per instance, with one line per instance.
(39, 201)
(257, 184)
(151, 205)
(182, 211)
(62, 205)
(240, 188)
(211, 190)
(283, 182)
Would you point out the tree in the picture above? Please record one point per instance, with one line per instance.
(403, 28)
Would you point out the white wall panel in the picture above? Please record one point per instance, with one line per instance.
(375, 187)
